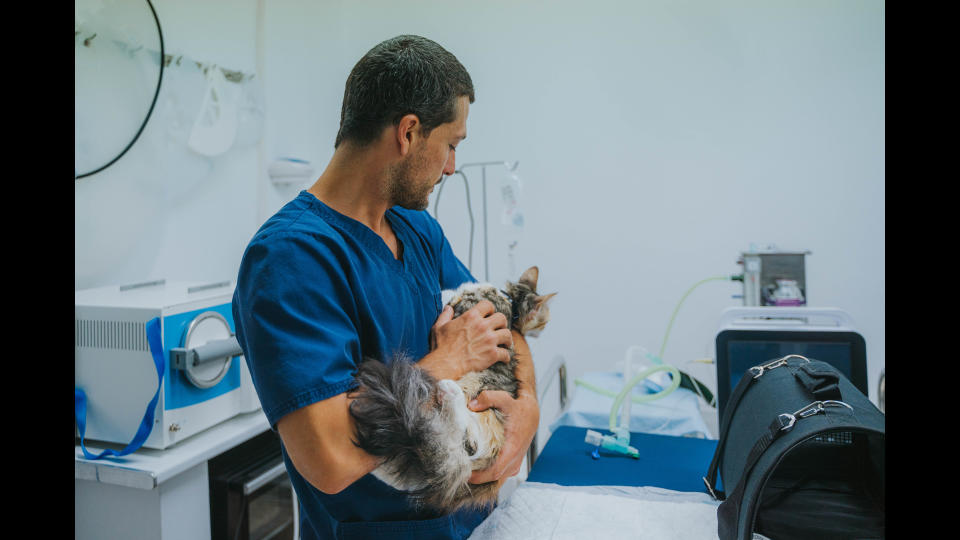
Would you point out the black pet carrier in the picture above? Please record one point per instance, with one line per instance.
(801, 456)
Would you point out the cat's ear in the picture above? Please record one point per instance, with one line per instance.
(542, 300)
(529, 277)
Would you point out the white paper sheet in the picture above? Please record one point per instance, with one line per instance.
(541, 511)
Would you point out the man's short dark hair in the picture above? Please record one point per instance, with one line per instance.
(403, 75)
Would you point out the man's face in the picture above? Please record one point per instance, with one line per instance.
(414, 178)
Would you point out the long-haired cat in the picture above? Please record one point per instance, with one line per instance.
(430, 440)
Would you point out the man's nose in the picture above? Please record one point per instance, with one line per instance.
(451, 165)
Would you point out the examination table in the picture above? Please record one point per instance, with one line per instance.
(570, 493)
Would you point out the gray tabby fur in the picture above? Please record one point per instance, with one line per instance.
(431, 441)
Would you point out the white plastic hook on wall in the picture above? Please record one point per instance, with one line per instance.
(215, 128)
(286, 171)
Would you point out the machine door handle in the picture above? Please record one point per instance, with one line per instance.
(268, 476)
(211, 350)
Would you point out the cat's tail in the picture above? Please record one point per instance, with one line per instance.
(471, 496)
(397, 414)
(387, 410)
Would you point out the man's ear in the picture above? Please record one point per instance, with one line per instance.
(406, 132)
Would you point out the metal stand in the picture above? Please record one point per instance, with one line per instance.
(557, 371)
(483, 171)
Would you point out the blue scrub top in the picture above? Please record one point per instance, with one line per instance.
(317, 292)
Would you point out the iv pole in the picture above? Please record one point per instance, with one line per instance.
(483, 168)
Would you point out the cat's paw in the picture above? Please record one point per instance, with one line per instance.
(450, 391)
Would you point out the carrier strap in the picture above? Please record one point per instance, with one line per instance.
(782, 424)
(746, 381)
(821, 382)
(730, 508)
(711, 479)
(778, 427)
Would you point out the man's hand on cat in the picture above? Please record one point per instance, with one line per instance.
(471, 342)
(522, 419)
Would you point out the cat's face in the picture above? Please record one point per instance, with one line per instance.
(535, 320)
(533, 311)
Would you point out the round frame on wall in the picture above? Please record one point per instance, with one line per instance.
(162, 59)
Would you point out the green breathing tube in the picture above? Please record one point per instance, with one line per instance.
(673, 317)
(687, 380)
(628, 388)
(620, 440)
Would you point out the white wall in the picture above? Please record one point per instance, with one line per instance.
(163, 211)
(657, 140)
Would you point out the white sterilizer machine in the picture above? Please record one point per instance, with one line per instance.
(205, 378)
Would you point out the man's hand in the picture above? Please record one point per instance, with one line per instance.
(522, 419)
(471, 342)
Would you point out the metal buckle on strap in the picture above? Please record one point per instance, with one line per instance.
(788, 420)
(710, 488)
(759, 370)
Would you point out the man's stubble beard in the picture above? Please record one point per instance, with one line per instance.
(401, 190)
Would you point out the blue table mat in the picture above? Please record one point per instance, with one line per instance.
(670, 462)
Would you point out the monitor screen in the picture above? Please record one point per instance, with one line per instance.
(739, 350)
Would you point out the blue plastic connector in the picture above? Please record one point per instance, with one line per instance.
(619, 442)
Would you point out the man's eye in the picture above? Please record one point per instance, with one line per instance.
(453, 148)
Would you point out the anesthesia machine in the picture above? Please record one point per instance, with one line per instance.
(774, 278)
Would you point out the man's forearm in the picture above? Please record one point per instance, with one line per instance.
(441, 367)
(319, 440)
(525, 372)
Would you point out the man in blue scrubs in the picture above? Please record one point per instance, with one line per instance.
(353, 268)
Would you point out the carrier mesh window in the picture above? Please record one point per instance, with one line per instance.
(829, 487)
